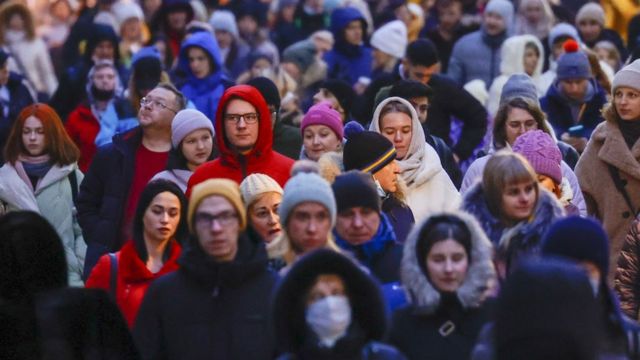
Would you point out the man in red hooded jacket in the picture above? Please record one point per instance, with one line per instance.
(244, 136)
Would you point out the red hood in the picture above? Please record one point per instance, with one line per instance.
(265, 135)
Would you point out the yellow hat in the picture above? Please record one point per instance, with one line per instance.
(222, 187)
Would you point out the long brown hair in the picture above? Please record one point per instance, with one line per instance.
(58, 144)
(500, 121)
(8, 9)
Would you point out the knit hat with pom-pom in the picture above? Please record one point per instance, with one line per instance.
(573, 64)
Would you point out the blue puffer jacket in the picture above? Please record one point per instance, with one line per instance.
(204, 93)
(381, 255)
(347, 62)
(476, 56)
(559, 113)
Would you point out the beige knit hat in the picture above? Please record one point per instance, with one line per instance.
(255, 185)
(628, 76)
(222, 187)
(591, 11)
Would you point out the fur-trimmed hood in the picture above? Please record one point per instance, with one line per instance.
(547, 210)
(480, 274)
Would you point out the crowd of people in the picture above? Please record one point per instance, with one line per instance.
(311, 179)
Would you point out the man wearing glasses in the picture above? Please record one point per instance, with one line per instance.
(244, 136)
(216, 305)
(120, 170)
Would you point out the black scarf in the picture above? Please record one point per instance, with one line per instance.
(630, 131)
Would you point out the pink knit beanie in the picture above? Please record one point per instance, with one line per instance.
(542, 153)
(323, 114)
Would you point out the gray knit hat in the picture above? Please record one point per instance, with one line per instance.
(628, 76)
(562, 30)
(185, 122)
(591, 11)
(519, 86)
(306, 187)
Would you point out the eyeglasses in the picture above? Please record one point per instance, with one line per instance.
(249, 118)
(223, 219)
(153, 103)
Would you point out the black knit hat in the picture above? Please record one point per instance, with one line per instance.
(422, 52)
(342, 91)
(268, 89)
(368, 151)
(355, 188)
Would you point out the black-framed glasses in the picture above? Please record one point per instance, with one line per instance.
(223, 219)
(249, 118)
(153, 103)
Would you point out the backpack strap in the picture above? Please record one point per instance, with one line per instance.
(113, 275)
(73, 180)
(620, 186)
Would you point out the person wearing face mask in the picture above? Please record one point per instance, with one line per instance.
(372, 153)
(159, 229)
(512, 208)
(420, 168)
(321, 130)
(31, 57)
(585, 242)
(447, 270)
(192, 145)
(41, 175)
(328, 308)
(103, 114)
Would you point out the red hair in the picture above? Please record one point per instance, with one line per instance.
(58, 144)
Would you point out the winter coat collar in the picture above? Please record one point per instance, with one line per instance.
(250, 261)
(614, 150)
(16, 192)
(425, 298)
(129, 141)
(134, 270)
(383, 238)
(421, 163)
(264, 143)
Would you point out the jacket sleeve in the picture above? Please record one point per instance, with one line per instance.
(100, 277)
(147, 329)
(626, 278)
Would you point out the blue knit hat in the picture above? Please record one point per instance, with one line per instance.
(573, 64)
(579, 239)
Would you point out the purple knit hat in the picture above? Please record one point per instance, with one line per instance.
(323, 114)
(542, 153)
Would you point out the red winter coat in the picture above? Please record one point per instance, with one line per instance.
(261, 159)
(133, 277)
(83, 127)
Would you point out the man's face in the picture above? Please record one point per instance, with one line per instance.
(308, 227)
(217, 227)
(357, 225)
(104, 51)
(353, 33)
(242, 133)
(493, 23)
(419, 73)
(4, 74)
(159, 109)
(421, 104)
(450, 16)
(105, 79)
(574, 89)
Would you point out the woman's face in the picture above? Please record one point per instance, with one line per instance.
(530, 60)
(162, 217)
(589, 29)
(197, 147)
(198, 62)
(533, 12)
(131, 29)
(518, 122)
(263, 214)
(33, 137)
(388, 177)
(16, 22)
(319, 139)
(627, 103)
(326, 285)
(396, 127)
(447, 264)
(519, 200)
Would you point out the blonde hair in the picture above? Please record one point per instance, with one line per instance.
(504, 168)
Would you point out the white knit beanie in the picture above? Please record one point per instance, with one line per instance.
(125, 10)
(255, 185)
(629, 76)
(306, 187)
(591, 11)
(187, 121)
(391, 39)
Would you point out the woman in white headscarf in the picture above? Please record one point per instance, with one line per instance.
(429, 188)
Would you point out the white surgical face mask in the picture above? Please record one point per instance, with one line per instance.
(329, 318)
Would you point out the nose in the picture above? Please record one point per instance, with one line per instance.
(200, 145)
(316, 140)
(397, 137)
(272, 218)
(448, 266)
(241, 123)
(164, 218)
(215, 226)
(312, 227)
(357, 221)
